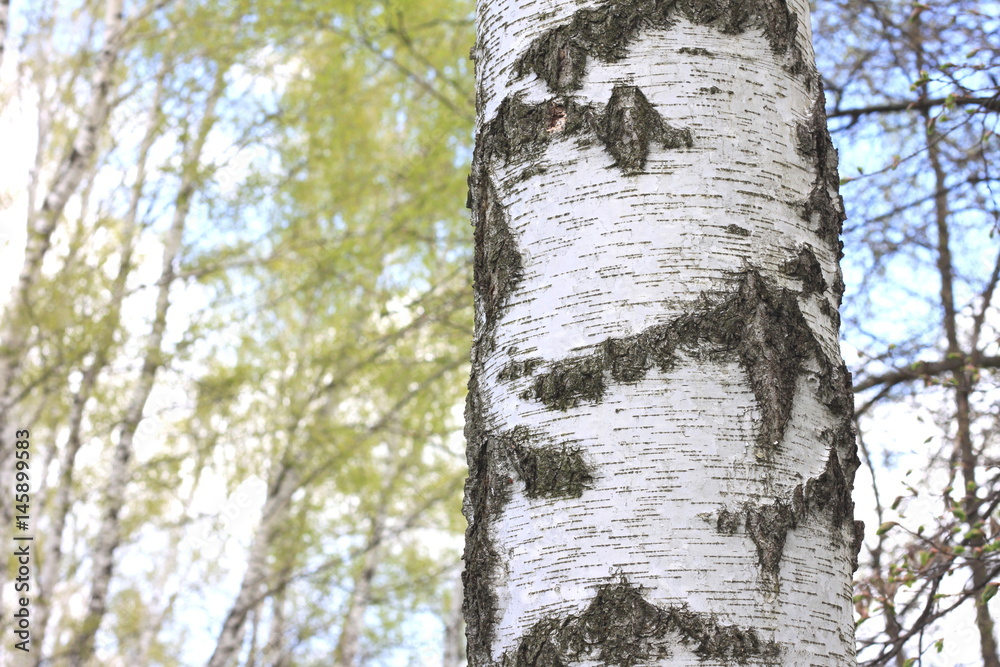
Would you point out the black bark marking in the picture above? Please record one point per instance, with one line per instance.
(630, 124)
(620, 627)
(738, 231)
(812, 140)
(828, 494)
(486, 493)
(559, 57)
(859, 540)
(626, 126)
(806, 268)
(761, 325)
(497, 268)
(548, 471)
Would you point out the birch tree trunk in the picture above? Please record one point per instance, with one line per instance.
(284, 482)
(4, 17)
(153, 360)
(659, 424)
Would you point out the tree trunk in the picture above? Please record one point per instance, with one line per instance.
(284, 482)
(4, 17)
(659, 426)
(348, 650)
(63, 500)
(153, 360)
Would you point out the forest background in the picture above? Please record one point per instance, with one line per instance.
(237, 280)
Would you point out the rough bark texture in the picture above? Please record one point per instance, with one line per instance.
(659, 427)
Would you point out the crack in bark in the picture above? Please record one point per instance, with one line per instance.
(559, 56)
(761, 325)
(620, 627)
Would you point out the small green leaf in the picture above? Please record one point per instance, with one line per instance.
(991, 590)
(885, 527)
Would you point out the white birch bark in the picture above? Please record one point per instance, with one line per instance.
(659, 427)
(153, 359)
(348, 650)
(284, 482)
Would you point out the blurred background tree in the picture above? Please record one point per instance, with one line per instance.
(239, 316)
(912, 96)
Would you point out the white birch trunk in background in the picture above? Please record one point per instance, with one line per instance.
(4, 18)
(659, 421)
(109, 533)
(62, 504)
(284, 482)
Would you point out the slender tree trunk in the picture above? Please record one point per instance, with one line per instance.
(454, 639)
(284, 482)
(659, 427)
(67, 180)
(14, 325)
(153, 359)
(276, 651)
(4, 21)
(348, 650)
(63, 495)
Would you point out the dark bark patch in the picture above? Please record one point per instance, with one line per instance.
(806, 268)
(812, 140)
(736, 230)
(497, 267)
(621, 627)
(515, 370)
(630, 124)
(859, 540)
(761, 325)
(695, 51)
(559, 57)
(569, 383)
(548, 471)
(486, 493)
(627, 126)
(768, 526)
(828, 494)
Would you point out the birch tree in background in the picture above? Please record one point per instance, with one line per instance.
(659, 426)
